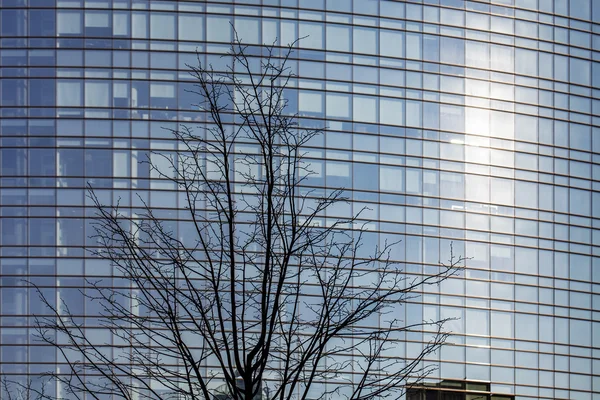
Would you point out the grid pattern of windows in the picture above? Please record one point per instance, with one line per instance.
(465, 122)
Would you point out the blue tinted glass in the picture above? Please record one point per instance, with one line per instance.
(14, 22)
(44, 233)
(14, 92)
(42, 162)
(14, 162)
(339, 5)
(580, 9)
(98, 163)
(14, 231)
(580, 71)
(70, 162)
(42, 23)
(580, 136)
(42, 92)
(366, 176)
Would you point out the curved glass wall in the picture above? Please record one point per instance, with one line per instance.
(478, 120)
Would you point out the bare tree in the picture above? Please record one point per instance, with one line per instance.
(252, 290)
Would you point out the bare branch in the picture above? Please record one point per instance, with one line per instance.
(244, 293)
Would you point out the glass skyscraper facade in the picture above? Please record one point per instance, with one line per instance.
(465, 122)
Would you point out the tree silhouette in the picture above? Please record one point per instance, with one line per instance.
(255, 290)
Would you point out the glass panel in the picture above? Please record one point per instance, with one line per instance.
(580, 267)
(526, 194)
(218, 29)
(391, 179)
(68, 23)
(14, 92)
(414, 116)
(41, 92)
(98, 162)
(431, 48)
(121, 24)
(97, 24)
(69, 94)
(44, 233)
(502, 258)
(452, 118)
(502, 124)
(14, 162)
(289, 32)
(526, 261)
(191, 27)
(338, 106)
(413, 181)
(139, 25)
(365, 109)
(312, 34)
(580, 71)
(431, 115)
(42, 23)
(248, 30)
(477, 322)
(526, 327)
(502, 58)
(561, 68)
(97, 94)
(580, 201)
(14, 232)
(477, 188)
(338, 38)
(580, 9)
(366, 176)
(41, 162)
(70, 162)
(310, 103)
(477, 54)
(526, 62)
(391, 111)
(162, 26)
(413, 45)
(452, 185)
(364, 40)
(162, 95)
(454, 51)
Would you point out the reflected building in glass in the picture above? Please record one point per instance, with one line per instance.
(465, 122)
